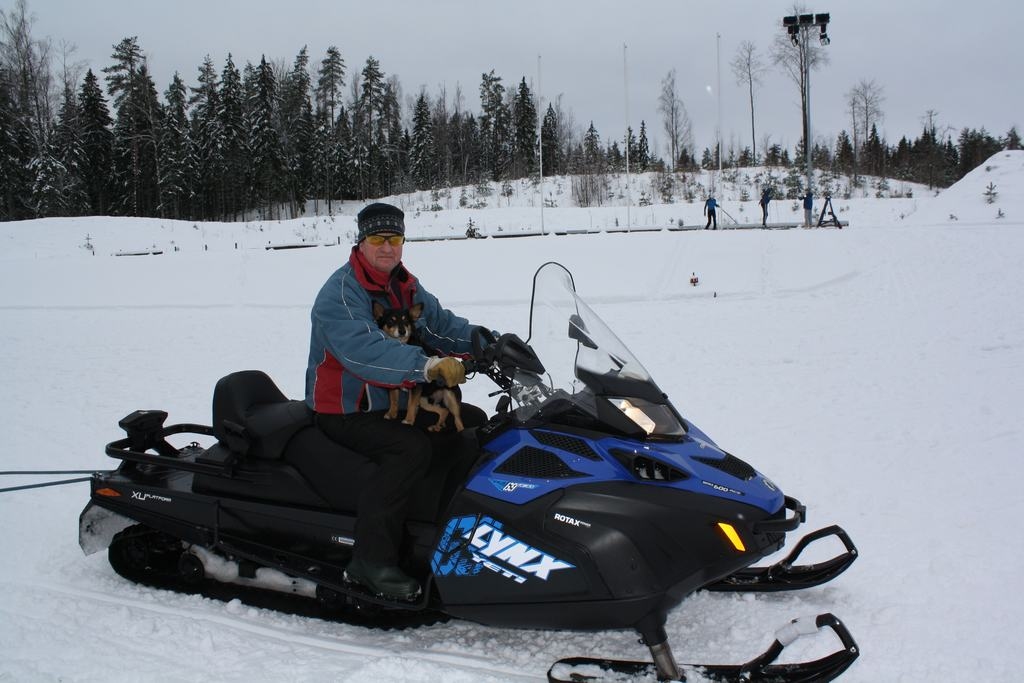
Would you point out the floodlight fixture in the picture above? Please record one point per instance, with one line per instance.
(821, 19)
(806, 19)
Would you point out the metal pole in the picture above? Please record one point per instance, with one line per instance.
(540, 146)
(807, 102)
(625, 81)
(718, 57)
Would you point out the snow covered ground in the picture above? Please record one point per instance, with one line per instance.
(876, 373)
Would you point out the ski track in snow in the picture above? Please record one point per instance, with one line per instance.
(473, 666)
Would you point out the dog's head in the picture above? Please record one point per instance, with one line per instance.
(397, 323)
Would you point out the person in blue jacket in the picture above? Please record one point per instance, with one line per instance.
(353, 365)
(808, 208)
(766, 197)
(710, 207)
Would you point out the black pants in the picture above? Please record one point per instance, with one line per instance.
(405, 456)
(764, 214)
(712, 218)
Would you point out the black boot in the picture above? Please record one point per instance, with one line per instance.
(386, 580)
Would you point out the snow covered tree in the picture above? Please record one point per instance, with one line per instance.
(97, 144)
(264, 143)
(175, 171)
(66, 146)
(13, 162)
(229, 155)
(295, 130)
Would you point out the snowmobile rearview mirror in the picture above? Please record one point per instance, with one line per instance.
(578, 331)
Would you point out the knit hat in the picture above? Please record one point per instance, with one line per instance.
(379, 218)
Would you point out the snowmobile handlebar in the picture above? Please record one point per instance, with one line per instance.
(502, 358)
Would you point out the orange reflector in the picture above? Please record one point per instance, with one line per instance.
(733, 537)
(110, 493)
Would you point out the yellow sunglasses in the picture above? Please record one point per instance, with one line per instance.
(393, 240)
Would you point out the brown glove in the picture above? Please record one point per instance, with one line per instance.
(450, 370)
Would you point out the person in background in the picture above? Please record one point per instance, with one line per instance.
(710, 209)
(808, 208)
(353, 364)
(766, 196)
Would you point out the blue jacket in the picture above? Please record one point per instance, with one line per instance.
(710, 205)
(808, 202)
(352, 363)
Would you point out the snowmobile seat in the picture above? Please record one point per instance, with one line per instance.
(273, 444)
(253, 418)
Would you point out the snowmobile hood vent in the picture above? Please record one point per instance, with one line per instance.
(646, 468)
(566, 443)
(731, 465)
(537, 462)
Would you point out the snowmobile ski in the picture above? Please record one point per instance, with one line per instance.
(758, 670)
(784, 575)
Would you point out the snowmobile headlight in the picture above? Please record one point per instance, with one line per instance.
(653, 418)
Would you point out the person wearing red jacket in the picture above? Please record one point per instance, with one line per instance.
(351, 368)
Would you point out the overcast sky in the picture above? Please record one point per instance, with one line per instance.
(961, 60)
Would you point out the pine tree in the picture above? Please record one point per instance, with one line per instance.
(874, 153)
(175, 172)
(369, 129)
(97, 144)
(525, 132)
(844, 160)
(552, 154)
(422, 159)
(495, 127)
(68, 150)
(206, 144)
(13, 162)
(330, 80)
(295, 130)
(136, 154)
(264, 143)
(643, 152)
(1012, 140)
(227, 138)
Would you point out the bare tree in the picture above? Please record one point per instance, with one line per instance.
(748, 69)
(797, 58)
(865, 102)
(676, 120)
(27, 63)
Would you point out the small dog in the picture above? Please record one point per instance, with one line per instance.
(400, 324)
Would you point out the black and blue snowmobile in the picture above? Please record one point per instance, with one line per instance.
(592, 504)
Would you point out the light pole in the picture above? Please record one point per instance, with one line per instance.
(799, 26)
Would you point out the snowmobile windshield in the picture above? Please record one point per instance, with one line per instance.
(587, 364)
